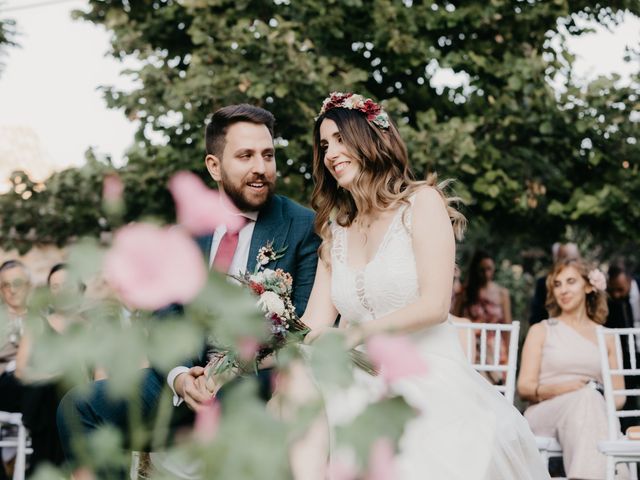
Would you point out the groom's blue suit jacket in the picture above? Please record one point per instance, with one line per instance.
(287, 225)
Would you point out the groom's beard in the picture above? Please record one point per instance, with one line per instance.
(241, 194)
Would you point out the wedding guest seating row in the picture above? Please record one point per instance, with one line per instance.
(486, 361)
(490, 362)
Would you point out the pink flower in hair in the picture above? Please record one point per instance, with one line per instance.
(374, 112)
(598, 280)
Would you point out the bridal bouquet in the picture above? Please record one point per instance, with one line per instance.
(273, 289)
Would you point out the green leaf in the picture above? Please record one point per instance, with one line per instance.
(546, 128)
(353, 76)
(250, 443)
(386, 418)
(228, 310)
(85, 259)
(330, 362)
(281, 91)
(172, 341)
(49, 472)
(515, 83)
(106, 446)
(555, 208)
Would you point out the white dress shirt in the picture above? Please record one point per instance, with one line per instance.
(238, 265)
(634, 301)
(241, 255)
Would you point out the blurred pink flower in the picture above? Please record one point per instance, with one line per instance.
(150, 267)
(381, 461)
(199, 209)
(340, 469)
(207, 421)
(112, 188)
(247, 347)
(395, 356)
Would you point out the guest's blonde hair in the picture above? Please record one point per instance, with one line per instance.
(596, 300)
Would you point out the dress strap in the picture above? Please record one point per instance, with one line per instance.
(406, 214)
(550, 329)
(338, 245)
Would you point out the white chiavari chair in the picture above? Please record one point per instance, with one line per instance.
(486, 360)
(618, 448)
(14, 434)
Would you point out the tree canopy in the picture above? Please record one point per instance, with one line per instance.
(7, 36)
(530, 160)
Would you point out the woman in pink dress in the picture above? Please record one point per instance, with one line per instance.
(484, 301)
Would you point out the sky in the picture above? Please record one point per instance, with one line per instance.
(50, 86)
(51, 108)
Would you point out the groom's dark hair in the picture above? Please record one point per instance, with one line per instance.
(222, 119)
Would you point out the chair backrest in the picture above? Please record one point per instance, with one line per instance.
(477, 335)
(17, 440)
(627, 337)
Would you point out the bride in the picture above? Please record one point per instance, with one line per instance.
(387, 261)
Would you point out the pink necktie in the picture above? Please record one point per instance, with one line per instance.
(226, 250)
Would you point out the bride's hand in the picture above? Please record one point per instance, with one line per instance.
(354, 337)
(316, 333)
(212, 381)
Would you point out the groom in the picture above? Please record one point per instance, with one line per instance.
(240, 157)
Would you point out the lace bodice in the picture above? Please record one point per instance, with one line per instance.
(387, 283)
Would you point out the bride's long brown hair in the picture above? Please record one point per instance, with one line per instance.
(385, 178)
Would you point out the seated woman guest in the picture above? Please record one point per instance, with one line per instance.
(482, 300)
(560, 373)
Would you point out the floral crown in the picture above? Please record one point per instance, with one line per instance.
(351, 101)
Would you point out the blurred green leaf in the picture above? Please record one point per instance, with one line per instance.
(85, 259)
(250, 443)
(106, 447)
(170, 342)
(386, 418)
(228, 310)
(330, 362)
(49, 472)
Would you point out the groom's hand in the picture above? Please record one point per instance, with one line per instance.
(190, 387)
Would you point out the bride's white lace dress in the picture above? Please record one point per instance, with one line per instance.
(465, 428)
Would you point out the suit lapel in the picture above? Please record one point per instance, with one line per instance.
(271, 226)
